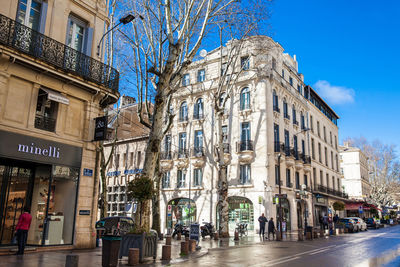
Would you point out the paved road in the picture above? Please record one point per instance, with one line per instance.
(367, 249)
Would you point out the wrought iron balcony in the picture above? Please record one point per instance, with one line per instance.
(166, 155)
(25, 40)
(198, 151)
(279, 147)
(45, 123)
(246, 145)
(227, 148)
(198, 116)
(277, 109)
(183, 118)
(182, 153)
(295, 122)
(286, 116)
(322, 188)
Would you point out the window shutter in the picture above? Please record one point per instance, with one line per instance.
(89, 41)
(43, 15)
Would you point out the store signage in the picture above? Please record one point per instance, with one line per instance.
(84, 212)
(134, 171)
(88, 172)
(194, 233)
(114, 173)
(281, 195)
(18, 146)
(100, 130)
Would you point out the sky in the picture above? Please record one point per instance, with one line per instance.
(349, 53)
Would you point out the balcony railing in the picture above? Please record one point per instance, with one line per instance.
(198, 116)
(182, 153)
(22, 38)
(227, 148)
(277, 109)
(246, 145)
(166, 155)
(286, 116)
(295, 122)
(322, 188)
(198, 151)
(279, 147)
(183, 118)
(45, 123)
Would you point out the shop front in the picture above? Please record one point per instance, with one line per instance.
(286, 223)
(43, 176)
(181, 210)
(240, 211)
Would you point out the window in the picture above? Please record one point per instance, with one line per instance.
(324, 134)
(139, 158)
(321, 177)
(182, 145)
(245, 98)
(30, 14)
(288, 178)
(186, 79)
(46, 112)
(326, 157)
(197, 177)
(312, 149)
(314, 177)
(225, 134)
(245, 63)
(276, 135)
(167, 143)
(222, 99)
(79, 36)
(285, 109)
(117, 161)
(245, 134)
(201, 75)
(198, 143)
(296, 152)
(198, 109)
(183, 112)
(277, 174)
(283, 73)
(337, 163)
(131, 159)
(275, 101)
(311, 124)
(319, 134)
(332, 166)
(224, 68)
(338, 184)
(291, 81)
(124, 159)
(335, 142)
(330, 138)
(302, 121)
(297, 180)
(245, 174)
(327, 180)
(319, 152)
(287, 143)
(333, 182)
(273, 63)
(181, 179)
(294, 115)
(299, 89)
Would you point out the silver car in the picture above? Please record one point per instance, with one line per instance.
(360, 224)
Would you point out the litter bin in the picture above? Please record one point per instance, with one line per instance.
(110, 250)
(309, 232)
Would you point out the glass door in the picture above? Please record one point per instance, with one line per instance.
(14, 190)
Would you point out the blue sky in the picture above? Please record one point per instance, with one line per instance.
(349, 52)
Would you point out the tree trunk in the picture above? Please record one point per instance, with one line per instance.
(156, 202)
(222, 182)
(103, 198)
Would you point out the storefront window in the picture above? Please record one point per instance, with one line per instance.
(181, 210)
(61, 210)
(286, 224)
(240, 211)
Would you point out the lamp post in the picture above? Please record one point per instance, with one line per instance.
(124, 20)
(280, 202)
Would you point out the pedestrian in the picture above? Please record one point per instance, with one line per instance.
(271, 228)
(262, 220)
(325, 221)
(22, 228)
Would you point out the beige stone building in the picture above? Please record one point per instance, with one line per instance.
(52, 86)
(267, 136)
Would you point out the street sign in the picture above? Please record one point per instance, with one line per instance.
(194, 232)
(100, 130)
(281, 195)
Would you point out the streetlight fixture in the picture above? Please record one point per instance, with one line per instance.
(279, 198)
(124, 20)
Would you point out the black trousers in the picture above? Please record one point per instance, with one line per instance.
(273, 234)
(22, 236)
(262, 230)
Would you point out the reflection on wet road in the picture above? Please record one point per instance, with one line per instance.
(367, 249)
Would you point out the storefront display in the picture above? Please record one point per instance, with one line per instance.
(181, 210)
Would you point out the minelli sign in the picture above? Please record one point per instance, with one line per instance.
(34, 149)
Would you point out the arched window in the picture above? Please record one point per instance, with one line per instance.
(198, 109)
(183, 112)
(245, 98)
(275, 101)
(285, 109)
(294, 115)
(302, 121)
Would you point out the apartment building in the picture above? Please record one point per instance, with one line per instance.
(52, 86)
(128, 155)
(267, 136)
(354, 172)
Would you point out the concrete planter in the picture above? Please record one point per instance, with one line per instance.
(146, 243)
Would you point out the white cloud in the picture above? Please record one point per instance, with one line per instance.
(333, 94)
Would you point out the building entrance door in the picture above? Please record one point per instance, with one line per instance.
(14, 195)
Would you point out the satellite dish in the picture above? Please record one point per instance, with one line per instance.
(203, 53)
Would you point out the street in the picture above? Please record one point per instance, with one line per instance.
(372, 248)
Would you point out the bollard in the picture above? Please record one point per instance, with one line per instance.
(192, 245)
(184, 248)
(309, 235)
(216, 236)
(161, 236)
(166, 253)
(337, 231)
(315, 231)
(322, 233)
(133, 256)
(168, 240)
(236, 236)
(179, 236)
(300, 235)
(341, 230)
(277, 236)
(72, 260)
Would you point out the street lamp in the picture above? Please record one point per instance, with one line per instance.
(280, 199)
(124, 20)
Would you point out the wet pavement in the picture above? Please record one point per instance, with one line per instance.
(367, 249)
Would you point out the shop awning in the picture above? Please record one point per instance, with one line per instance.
(56, 96)
(357, 205)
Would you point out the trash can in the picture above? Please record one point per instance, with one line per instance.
(110, 251)
(309, 232)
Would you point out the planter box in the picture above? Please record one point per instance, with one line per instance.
(147, 245)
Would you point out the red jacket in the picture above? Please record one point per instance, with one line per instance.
(24, 221)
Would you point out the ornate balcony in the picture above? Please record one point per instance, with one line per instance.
(166, 161)
(227, 153)
(32, 43)
(246, 151)
(198, 159)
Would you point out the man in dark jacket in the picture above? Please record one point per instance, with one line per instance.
(271, 228)
(262, 220)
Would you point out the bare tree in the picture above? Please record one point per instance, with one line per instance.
(384, 170)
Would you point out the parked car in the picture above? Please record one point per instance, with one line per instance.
(349, 224)
(116, 225)
(373, 223)
(360, 224)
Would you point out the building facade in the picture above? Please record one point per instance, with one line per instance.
(128, 156)
(355, 174)
(52, 86)
(267, 142)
